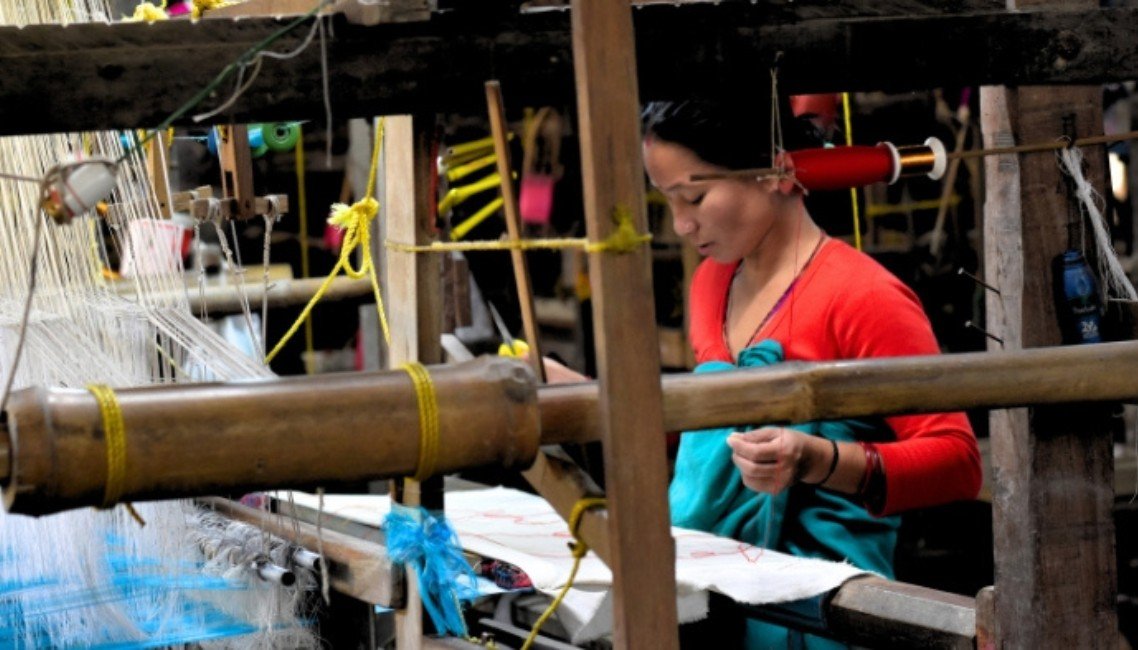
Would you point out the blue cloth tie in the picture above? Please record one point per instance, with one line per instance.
(428, 543)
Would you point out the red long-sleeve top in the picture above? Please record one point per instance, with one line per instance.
(847, 306)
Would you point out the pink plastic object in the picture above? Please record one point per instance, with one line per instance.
(179, 8)
(333, 238)
(535, 200)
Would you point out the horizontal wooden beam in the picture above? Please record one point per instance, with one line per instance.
(357, 567)
(227, 299)
(200, 439)
(133, 75)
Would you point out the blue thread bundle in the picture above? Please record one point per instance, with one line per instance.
(428, 543)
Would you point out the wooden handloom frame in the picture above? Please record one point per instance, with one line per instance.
(1055, 575)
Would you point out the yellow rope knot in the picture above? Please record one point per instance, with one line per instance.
(625, 239)
(149, 12)
(355, 220)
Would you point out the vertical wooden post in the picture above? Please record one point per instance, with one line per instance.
(628, 355)
(237, 170)
(413, 295)
(1053, 489)
(157, 162)
(498, 127)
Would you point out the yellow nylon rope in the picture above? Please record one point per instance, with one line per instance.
(302, 207)
(202, 6)
(114, 433)
(468, 224)
(428, 419)
(149, 12)
(355, 220)
(853, 190)
(580, 550)
(624, 239)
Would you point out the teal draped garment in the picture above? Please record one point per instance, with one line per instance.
(707, 493)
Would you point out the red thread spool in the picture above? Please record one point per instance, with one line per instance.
(840, 168)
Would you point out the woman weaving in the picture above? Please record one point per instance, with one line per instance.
(775, 287)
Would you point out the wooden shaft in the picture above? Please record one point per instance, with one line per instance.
(959, 154)
(1053, 532)
(413, 287)
(357, 567)
(202, 439)
(553, 475)
(221, 439)
(498, 129)
(237, 170)
(158, 166)
(627, 348)
(802, 392)
(224, 299)
(1037, 147)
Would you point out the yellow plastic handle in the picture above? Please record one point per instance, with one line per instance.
(521, 349)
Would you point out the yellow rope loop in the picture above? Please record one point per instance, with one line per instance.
(355, 220)
(114, 433)
(149, 12)
(580, 549)
(624, 239)
(428, 419)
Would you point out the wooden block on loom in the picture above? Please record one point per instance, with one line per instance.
(183, 201)
(262, 205)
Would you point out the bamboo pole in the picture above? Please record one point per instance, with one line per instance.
(219, 438)
(801, 392)
(234, 438)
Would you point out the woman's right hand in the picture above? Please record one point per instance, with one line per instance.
(556, 373)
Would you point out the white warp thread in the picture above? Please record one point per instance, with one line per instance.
(1115, 281)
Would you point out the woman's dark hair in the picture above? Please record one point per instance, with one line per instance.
(731, 134)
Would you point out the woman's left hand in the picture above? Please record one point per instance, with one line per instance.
(770, 459)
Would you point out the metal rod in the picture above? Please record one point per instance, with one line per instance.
(761, 173)
(18, 177)
(270, 572)
(307, 559)
(977, 280)
(970, 325)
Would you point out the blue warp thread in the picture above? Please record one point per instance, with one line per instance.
(427, 542)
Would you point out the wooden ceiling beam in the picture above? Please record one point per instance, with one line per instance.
(133, 75)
